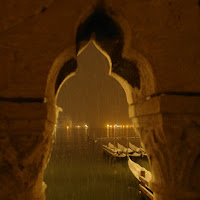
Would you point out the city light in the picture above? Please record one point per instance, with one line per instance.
(119, 126)
(86, 126)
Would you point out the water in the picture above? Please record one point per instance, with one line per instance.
(78, 169)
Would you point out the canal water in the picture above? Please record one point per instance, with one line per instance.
(79, 170)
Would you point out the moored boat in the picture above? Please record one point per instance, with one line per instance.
(138, 150)
(113, 151)
(124, 149)
(138, 171)
(143, 176)
(129, 152)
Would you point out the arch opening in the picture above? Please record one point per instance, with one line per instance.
(108, 37)
(111, 35)
(110, 133)
(103, 70)
(131, 70)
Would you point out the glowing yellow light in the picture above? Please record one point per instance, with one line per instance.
(67, 127)
(86, 126)
(127, 126)
(110, 126)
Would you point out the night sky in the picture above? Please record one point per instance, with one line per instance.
(92, 96)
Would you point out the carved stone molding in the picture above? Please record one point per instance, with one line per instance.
(169, 127)
(173, 147)
(25, 146)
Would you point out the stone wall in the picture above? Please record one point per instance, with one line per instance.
(160, 37)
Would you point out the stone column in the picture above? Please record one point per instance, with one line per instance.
(25, 143)
(169, 127)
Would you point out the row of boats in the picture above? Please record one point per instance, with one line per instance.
(121, 151)
(140, 173)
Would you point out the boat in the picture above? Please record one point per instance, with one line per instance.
(134, 148)
(135, 154)
(128, 151)
(138, 150)
(113, 151)
(138, 171)
(124, 149)
(112, 146)
(143, 176)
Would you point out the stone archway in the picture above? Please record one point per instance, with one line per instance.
(133, 73)
(165, 108)
(148, 109)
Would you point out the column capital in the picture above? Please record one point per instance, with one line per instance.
(169, 127)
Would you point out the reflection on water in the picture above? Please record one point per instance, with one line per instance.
(78, 169)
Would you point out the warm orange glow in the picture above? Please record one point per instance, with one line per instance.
(86, 126)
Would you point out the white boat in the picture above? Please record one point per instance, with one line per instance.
(135, 154)
(143, 176)
(134, 148)
(128, 151)
(113, 151)
(139, 171)
(138, 150)
(124, 149)
(112, 146)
